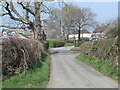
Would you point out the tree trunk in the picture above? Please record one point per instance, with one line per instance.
(67, 37)
(79, 39)
(37, 23)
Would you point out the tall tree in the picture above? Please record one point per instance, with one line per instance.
(32, 19)
(68, 18)
(75, 17)
(83, 18)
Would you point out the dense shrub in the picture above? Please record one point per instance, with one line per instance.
(35, 77)
(106, 49)
(69, 44)
(56, 43)
(46, 44)
(77, 44)
(18, 55)
(112, 33)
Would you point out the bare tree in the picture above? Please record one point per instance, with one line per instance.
(75, 17)
(55, 20)
(83, 18)
(32, 19)
(67, 18)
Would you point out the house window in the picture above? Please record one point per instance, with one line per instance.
(4, 33)
(13, 33)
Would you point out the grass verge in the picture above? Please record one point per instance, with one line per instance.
(76, 49)
(37, 77)
(102, 66)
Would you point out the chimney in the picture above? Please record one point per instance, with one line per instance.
(97, 26)
(107, 28)
(108, 25)
(102, 25)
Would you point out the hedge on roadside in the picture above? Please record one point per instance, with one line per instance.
(106, 49)
(77, 44)
(46, 44)
(56, 43)
(18, 55)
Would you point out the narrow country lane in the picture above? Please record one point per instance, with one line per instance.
(67, 72)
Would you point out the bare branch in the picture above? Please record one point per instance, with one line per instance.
(46, 8)
(14, 10)
(4, 14)
(11, 15)
(27, 12)
(45, 11)
(10, 27)
(26, 8)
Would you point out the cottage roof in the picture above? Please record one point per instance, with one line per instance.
(100, 29)
(8, 30)
(76, 31)
(84, 31)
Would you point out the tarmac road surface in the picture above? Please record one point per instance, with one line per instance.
(67, 72)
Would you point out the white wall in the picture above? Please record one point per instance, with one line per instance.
(86, 35)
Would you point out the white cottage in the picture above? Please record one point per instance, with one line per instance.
(84, 34)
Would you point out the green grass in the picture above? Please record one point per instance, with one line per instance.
(33, 78)
(77, 44)
(102, 66)
(76, 49)
(0, 85)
